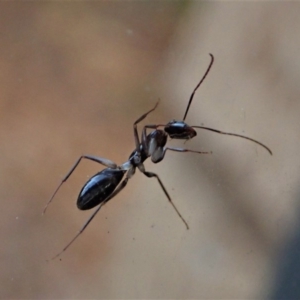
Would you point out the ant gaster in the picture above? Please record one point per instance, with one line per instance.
(106, 184)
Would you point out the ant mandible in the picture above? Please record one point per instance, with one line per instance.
(106, 184)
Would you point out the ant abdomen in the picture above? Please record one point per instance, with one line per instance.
(99, 188)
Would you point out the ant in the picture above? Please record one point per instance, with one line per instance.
(109, 182)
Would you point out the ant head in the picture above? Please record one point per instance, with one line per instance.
(179, 130)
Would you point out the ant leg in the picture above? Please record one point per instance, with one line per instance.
(144, 133)
(79, 232)
(136, 135)
(150, 174)
(184, 150)
(238, 135)
(103, 161)
(162, 155)
(116, 191)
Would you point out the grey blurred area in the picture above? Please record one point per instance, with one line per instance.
(288, 268)
(74, 78)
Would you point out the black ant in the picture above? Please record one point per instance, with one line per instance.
(109, 182)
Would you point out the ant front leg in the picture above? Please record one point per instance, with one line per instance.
(150, 175)
(103, 161)
(136, 134)
(162, 154)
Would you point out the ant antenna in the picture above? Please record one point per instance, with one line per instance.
(233, 134)
(196, 88)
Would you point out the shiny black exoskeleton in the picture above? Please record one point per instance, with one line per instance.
(99, 188)
(109, 182)
(180, 130)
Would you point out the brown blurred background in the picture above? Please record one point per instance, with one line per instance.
(74, 78)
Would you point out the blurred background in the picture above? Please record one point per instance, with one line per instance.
(74, 78)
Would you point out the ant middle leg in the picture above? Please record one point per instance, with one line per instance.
(103, 161)
(150, 175)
